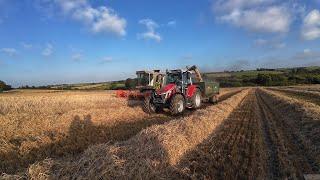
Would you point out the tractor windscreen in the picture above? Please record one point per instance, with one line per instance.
(144, 79)
(173, 78)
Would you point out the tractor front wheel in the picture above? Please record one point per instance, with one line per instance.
(148, 106)
(177, 104)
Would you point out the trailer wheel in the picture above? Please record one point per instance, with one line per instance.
(213, 99)
(148, 106)
(196, 99)
(177, 104)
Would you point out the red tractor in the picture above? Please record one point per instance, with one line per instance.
(182, 89)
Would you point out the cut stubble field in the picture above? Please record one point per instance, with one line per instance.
(40, 124)
(251, 133)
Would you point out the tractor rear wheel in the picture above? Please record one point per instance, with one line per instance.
(196, 99)
(213, 99)
(177, 104)
(148, 106)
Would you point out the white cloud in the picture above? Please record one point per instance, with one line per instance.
(230, 5)
(269, 16)
(307, 54)
(280, 45)
(171, 23)
(270, 44)
(77, 57)
(150, 33)
(106, 59)
(311, 26)
(69, 5)
(306, 51)
(187, 57)
(108, 21)
(86, 15)
(26, 45)
(270, 19)
(48, 50)
(260, 42)
(149, 23)
(99, 20)
(9, 51)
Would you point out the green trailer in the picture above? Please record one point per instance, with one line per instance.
(209, 90)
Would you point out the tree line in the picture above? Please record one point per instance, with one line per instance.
(4, 86)
(286, 77)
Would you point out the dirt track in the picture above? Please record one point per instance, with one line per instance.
(256, 141)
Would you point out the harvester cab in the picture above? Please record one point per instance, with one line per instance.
(183, 88)
(149, 80)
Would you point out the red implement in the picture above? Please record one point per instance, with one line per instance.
(130, 94)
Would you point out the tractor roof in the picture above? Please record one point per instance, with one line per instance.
(177, 71)
(149, 72)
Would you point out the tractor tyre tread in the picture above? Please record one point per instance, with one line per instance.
(174, 104)
(147, 105)
(194, 99)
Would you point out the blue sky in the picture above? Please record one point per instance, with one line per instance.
(69, 41)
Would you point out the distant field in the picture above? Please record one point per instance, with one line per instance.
(217, 75)
(267, 77)
(255, 73)
(240, 73)
(84, 86)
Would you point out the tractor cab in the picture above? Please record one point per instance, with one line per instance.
(182, 78)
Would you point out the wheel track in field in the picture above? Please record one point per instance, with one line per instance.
(271, 146)
(286, 146)
(254, 142)
(294, 137)
(230, 151)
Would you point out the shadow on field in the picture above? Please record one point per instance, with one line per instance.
(134, 103)
(82, 133)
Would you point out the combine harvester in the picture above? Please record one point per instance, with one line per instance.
(147, 82)
(183, 88)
